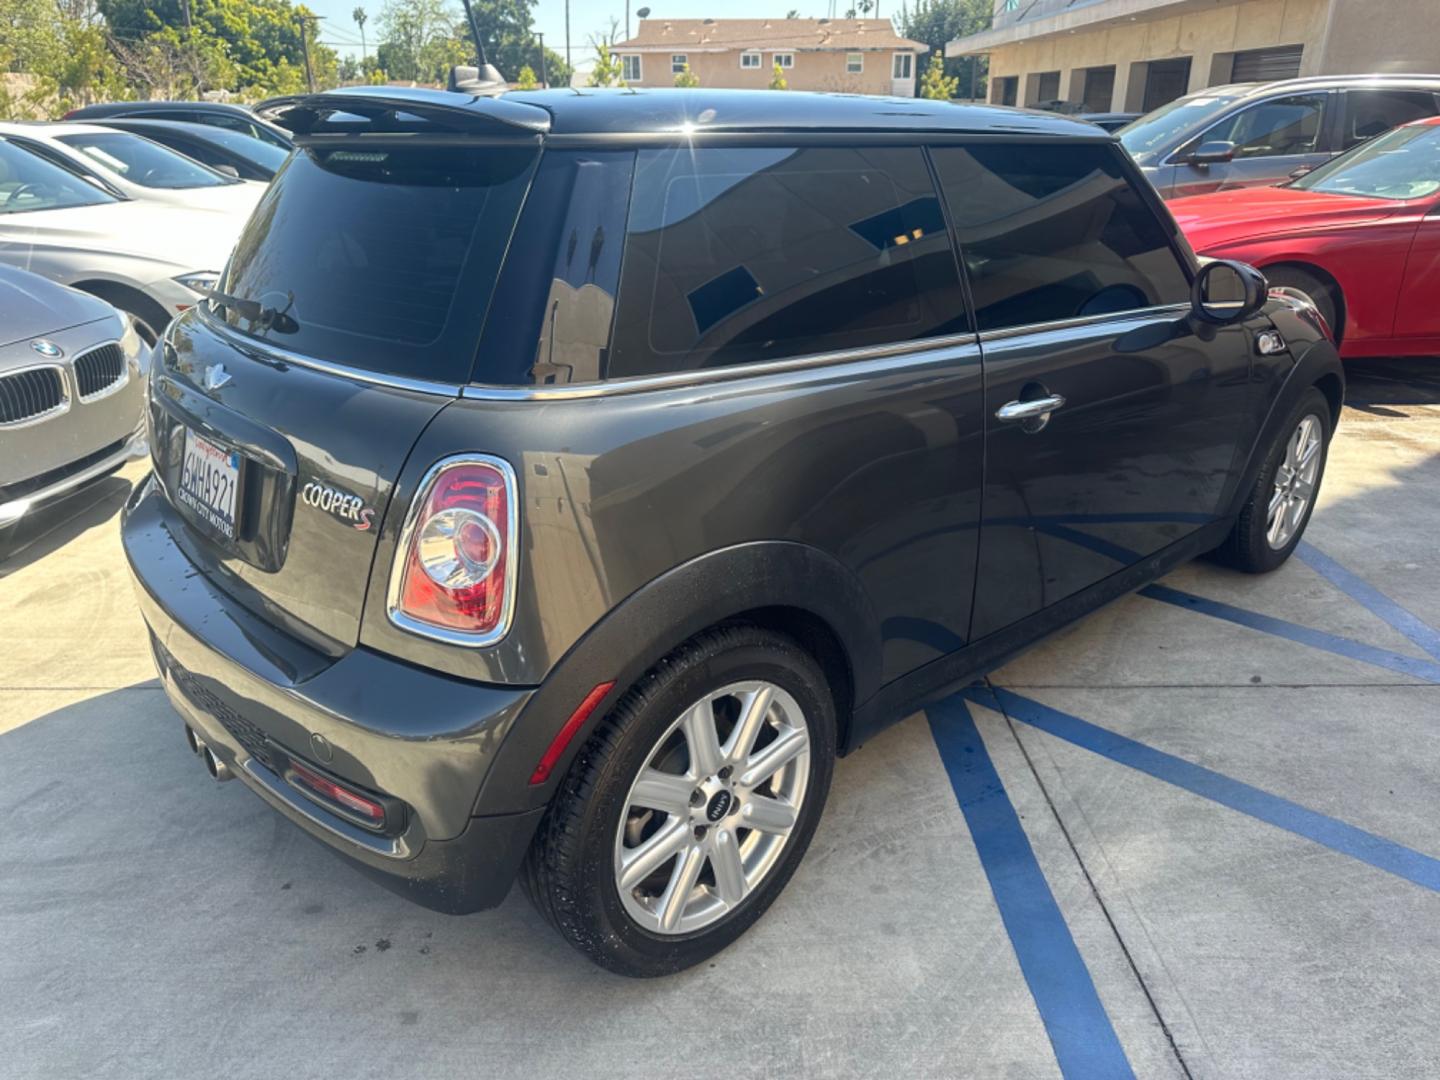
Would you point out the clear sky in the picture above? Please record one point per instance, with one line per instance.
(587, 17)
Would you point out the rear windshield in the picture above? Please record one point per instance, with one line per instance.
(143, 162)
(380, 257)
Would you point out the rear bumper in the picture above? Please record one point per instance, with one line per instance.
(257, 696)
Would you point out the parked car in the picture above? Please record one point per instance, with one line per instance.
(715, 473)
(72, 393)
(1258, 134)
(224, 151)
(1110, 121)
(211, 113)
(133, 167)
(1360, 235)
(148, 259)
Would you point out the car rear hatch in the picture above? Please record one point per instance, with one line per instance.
(285, 408)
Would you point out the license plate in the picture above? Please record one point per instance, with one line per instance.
(209, 480)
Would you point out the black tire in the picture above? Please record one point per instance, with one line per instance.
(1248, 547)
(569, 873)
(1324, 295)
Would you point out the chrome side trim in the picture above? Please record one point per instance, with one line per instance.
(512, 555)
(118, 385)
(57, 410)
(1081, 321)
(638, 383)
(265, 350)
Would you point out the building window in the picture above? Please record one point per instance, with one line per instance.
(749, 59)
(854, 63)
(785, 59)
(903, 67)
(678, 63)
(630, 68)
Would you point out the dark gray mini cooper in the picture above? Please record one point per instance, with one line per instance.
(555, 484)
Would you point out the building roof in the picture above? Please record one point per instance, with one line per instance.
(666, 111)
(786, 35)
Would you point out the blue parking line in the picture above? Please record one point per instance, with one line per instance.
(1336, 835)
(1080, 1031)
(1317, 639)
(1407, 622)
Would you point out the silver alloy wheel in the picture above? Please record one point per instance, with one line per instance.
(1294, 482)
(712, 808)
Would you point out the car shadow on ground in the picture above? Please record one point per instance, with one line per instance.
(52, 527)
(1374, 383)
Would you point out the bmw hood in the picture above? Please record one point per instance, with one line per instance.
(1225, 217)
(32, 307)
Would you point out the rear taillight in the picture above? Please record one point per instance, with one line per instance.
(352, 802)
(454, 572)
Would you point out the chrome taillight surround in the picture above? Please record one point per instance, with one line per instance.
(394, 591)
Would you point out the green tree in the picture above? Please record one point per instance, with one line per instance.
(422, 39)
(361, 18)
(936, 22)
(687, 79)
(65, 50)
(935, 84)
(526, 80)
(607, 70)
(777, 78)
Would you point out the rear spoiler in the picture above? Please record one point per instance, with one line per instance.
(391, 109)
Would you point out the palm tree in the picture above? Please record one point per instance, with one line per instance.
(360, 19)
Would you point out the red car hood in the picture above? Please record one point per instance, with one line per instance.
(1223, 217)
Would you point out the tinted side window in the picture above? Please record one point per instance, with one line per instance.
(1289, 125)
(1373, 112)
(1055, 232)
(734, 256)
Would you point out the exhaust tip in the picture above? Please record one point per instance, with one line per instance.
(217, 769)
(192, 740)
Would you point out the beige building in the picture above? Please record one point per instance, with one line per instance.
(1135, 55)
(856, 56)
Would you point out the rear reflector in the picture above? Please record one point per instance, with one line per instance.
(352, 801)
(562, 739)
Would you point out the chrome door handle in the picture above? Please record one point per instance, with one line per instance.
(1040, 408)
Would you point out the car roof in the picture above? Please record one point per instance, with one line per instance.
(1320, 82)
(51, 128)
(112, 107)
(662, 111)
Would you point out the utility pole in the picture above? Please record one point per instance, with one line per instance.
(568, 62)
(544, 81)
(627, 20)
(305, 48)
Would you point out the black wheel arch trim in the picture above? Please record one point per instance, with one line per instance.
(720, 586)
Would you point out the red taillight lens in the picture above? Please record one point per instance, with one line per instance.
(454, 574)
(368, 809)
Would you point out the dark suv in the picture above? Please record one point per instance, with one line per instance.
(557, 483)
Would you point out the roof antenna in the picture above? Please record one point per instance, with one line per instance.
(482, 81)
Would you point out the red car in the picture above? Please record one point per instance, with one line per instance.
(1360, 234)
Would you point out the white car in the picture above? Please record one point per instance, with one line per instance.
(149, 259)
(134, 167)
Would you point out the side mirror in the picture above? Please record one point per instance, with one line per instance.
(1226, 291)
(1215, 152)
(228, 170)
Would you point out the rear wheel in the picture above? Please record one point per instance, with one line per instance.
(1324, 295)
(1274, 517)
(684, 816)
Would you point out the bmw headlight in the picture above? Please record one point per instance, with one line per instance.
(201, 281)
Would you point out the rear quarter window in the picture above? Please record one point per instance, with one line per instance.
(741, 255)
(1055, 232)
(382, 257)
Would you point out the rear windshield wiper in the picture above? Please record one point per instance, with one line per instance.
(260, 316)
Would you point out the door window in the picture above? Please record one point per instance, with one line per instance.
(1373, 112)
(1055, 232)
(630, 68)
(734, 256)
(1282, 126)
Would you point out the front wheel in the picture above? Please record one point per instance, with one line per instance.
(685, 814)
(1274, 517)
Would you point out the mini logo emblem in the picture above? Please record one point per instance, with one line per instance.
(216, 376)
(350, 509)
(47, 349)
(719, 806)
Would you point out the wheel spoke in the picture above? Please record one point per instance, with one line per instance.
(1310, 452)
(704, 743)
(640, 862)
(742, 739)
(773, 758)
(767, 815)
(729, 871)
(1277, 500)
(658, 790)
(1302, 489)
(1277, 523)
(671, 904)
